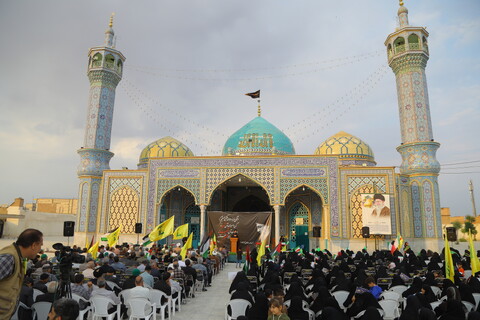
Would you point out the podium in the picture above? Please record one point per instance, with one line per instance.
(233, 245)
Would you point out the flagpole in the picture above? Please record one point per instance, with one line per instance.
(259, 111)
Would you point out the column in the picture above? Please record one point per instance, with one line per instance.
(277, 223)
(203, 209)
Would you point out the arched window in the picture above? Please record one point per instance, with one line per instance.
(413, 42)
(97, 60)
(192, 217)
(119, 66)
(389, 49)
(425, 44)
(399, 45)
(109, 61)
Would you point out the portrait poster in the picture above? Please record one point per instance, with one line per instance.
(376, 213)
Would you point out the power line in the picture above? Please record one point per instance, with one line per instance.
(465, 167)
(297, 65)
(468, 172)
(457, 163)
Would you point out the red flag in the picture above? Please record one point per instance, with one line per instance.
(278, 248)
(247, 255)
(393, 248)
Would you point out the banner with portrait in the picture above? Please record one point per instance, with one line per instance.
(376, 213)
(248, 226)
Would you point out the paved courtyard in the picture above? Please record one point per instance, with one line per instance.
(209, 305)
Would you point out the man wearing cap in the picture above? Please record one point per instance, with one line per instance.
(130, 282)
(380, 210)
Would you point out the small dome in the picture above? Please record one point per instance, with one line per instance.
(165, 147)
(258, 137)
(348, 147)
(402, 9)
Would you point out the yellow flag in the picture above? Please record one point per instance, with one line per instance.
(449, 269)
(474, 263)
(261, 252)
(163, 230)
(213, 243)
(181, 232)
(94, 250)
(112, 238)
(187, 246)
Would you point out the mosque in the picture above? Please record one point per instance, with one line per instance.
(321, 199)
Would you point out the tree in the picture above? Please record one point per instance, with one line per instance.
(457, 225)
(469, 225)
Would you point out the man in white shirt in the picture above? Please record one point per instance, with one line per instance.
(88, 272)
(139, 291)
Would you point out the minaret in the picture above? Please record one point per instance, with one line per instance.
(408, 54)
(105, 65)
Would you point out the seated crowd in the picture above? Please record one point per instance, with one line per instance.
(381, 285)
(123, 273)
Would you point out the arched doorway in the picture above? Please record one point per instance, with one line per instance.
(192, 217)
(180, 203)
(303, 211)
(298, 216)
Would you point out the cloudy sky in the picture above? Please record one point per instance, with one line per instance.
(321, 66)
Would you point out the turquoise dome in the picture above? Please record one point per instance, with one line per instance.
(258, 137)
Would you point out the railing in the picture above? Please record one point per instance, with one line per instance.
(400, 48)
(109, 64)
(97, 64)
(414, 46)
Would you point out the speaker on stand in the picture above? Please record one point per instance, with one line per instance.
(68, 229)
(366, 234)
(451, 234)
(138, 230)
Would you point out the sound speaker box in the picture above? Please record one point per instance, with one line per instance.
(68, 228)
(138, 227)
(366, 232)
(451, 234)
(317, 232)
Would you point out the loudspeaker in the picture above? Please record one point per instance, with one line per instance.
(317, 232)
(366, 232)
(451, 234)
(68, 228)
(138, 227)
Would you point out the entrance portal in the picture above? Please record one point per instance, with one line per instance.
(298, 216)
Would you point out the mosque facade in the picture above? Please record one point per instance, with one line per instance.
(316, 200)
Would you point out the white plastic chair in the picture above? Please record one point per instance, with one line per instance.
(41, 310)
(435, 304)
(476, 296)
(172, 302)
(156, 297)
(36, 293)
(100, 308)
(469, 306)
(436, 291)
(141, 309)
(391, 295)
(390, 308)
(467, 274)
(125, 294)
(238, 308)
(20, 305)
(311, 314)
(341, 296)
(87, 309)
(113, 285)
(398, 289)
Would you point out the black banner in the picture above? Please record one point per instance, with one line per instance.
(248, 225)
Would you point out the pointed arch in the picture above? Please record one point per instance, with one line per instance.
(298, 209)
(209, 197)
(304, 185)
(159, 200)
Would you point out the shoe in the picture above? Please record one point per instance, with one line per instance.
(204, 289)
